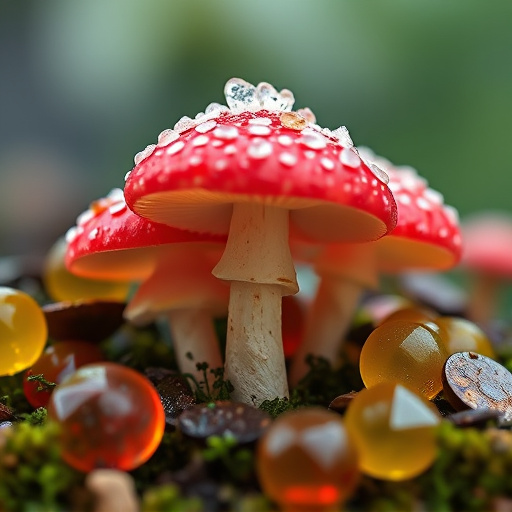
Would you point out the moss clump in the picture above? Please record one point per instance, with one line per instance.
(32, 473)
(168, 498)
(472, 470)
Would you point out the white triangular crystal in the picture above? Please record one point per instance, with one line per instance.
(184, 124)
(288, 99)
(343, 136)
(241, 96)
(379, 173)
(167, 136)
(408, 411)
(323, 442)
(269, 98)
(215, 107)
(307, 114)
(280, 439)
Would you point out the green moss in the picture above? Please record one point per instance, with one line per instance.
(167, 498)
(32, 473)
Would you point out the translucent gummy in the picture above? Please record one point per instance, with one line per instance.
(167, 136)
(269, 98)
(241, 95)
(343, 136)
(184, 124)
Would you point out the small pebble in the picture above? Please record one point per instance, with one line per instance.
(474, 381)
(114, 491)
(88, 320)
(176, 396)
(340, 403)
(243, 422)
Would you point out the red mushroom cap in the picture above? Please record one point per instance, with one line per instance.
(427, 234)
(111, 242)
(260, 151)
(488, 243)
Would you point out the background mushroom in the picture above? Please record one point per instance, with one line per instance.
(253, 170)
(487, 257)
(426, 237)
(173, 267)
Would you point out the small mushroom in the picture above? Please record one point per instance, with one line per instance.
(487, 257)
(260, 173)
(426, 237)
(173, 268)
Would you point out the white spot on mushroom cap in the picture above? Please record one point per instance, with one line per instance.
(307, 114)
(93, 234)
(343, 136)
(259, 130)
(285, 140)
(452, 214)
(84, 217)
(201, 140)
(195, 160)
(215, 108)
(206, 127)
(167, 136)
(117, 208)
(142, 155)
(423, 204)
(434, 196)
(184, 124)
(349, 158)
(264, 121)
(327, 164)
(259, 148)
(225, 132)
(175, 148)
(71, 234)
(312, 140)
(230, 150)
(287, 159)
(127, 175)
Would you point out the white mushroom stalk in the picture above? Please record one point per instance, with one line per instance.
(258, 264)
(183, 290)
(345, 272)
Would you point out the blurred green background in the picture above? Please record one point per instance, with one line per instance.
(86, 85)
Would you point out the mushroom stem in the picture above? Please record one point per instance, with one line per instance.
(194, 333)
(258, 264)
(327, 322)
(255, 362)
(345, 271)
(483, 300)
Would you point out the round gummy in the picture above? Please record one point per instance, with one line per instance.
(56, 363)
(461, 335)
(306, 461)
(23, 331)
(62, 285)
(394, 430)
(110, 417)
(404, 352)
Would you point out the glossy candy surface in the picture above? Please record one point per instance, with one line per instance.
(306, 461)
(394, 430)
(55, 364)
(404, 352)
(23, 331)
(411, 314)
(461, 335)
(62, 285)
(110, 416)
